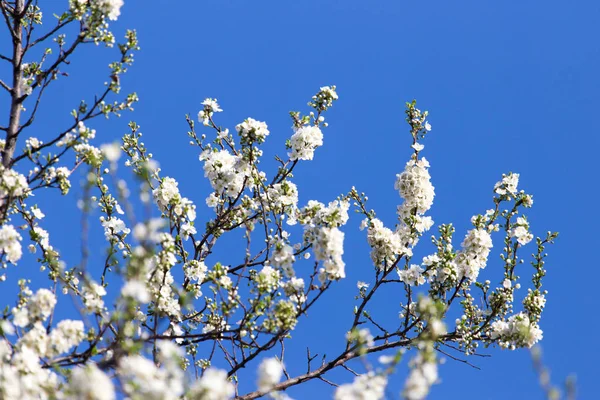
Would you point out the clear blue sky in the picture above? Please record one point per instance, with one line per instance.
(510, 86)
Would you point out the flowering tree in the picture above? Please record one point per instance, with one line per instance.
(164, 315)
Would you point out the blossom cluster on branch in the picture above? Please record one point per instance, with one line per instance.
(165, 313)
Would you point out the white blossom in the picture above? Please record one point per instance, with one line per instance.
(517, 331)
(270, 372)
(421, 377)
(414, 186)
(413, 275)
(474, 253)
(225, 171)
(283, 257)
(385, 244)
(136, 290)
(92, 297)
(41, 305)
(10, 243)
(213, 385)
(109, 8)
(37, 213)
(508, 184)
(42, 237)
(282, 196)
(141, 379)
(166, 193)
(195, 270)
(304, 141)
(12, 183)
(113, 227)
(90, 383)
(267, 279)
(368, 386)
(112, 151)
(252, 131)
(328, 246)
(521, 232)
(66, 335)
(210, 106)
(294, 289)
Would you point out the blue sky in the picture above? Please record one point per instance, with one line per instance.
(510, 86)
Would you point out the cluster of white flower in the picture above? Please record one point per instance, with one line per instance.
(162, 292)
(111, 151)
(413, 275)
(195, 270)
(66, 335)
(304, 142)
(508, 185)
(517, 331)
(324, 99)
(282, 256)
(439, 270)
(534, 302)
(59, 175)
(160, 280)
(26, 81)
(361, 337)
(281, 197)
(215, 323)
(225, 171)
(92, 297)
(32, 143)
(22, 375)
(187, 229)
(113, 227)
(521, 232)
(89, 382)
(294, 290)
(35, 339)
(167, 194)
(38, 308)
(149, 231)
(41, 304)
(414, 186)
(267, 280)
(91, 154)
(10, 243)
(316, 213)
(474, 253)
(37, 213)
(270, 372)
(80, 131)
(110, 8)
(141, 379)
(210, 107)
(252, 131)
(21, 372)
(41, 236)
(328, 245)
(213, 385)
(321, 231)
(422, 376)
(12, 183)
(385, 244)
(136, 291)
(368, 386)
(527, 200)
(418, 122)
